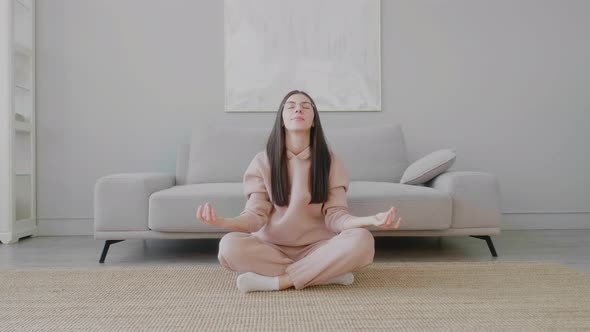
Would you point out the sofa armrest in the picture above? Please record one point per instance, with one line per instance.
(121, 201)
(475, 195)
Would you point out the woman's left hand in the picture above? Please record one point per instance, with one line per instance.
(386, 220)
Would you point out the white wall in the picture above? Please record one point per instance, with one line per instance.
(505, 83)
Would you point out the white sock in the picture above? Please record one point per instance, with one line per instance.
(250, 282)
(345, 279)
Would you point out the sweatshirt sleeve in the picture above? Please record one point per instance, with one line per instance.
(258, 205)
(335, 209)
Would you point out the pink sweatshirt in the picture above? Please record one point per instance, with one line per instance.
(299, 223)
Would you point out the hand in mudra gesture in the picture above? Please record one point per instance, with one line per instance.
(206, 214)
(386, 220)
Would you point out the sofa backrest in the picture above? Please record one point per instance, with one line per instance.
(222, 154)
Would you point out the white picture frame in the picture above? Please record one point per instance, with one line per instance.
(330, 49)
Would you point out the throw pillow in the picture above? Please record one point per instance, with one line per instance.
(429, 166)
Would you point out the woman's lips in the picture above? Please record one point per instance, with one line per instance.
(300, 119)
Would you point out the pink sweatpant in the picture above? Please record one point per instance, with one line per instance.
(349, 251)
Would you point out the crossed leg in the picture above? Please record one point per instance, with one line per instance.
(348, 251)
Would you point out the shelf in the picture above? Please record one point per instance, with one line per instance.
(23, 104)
(23, 220)
(23, 88)
(22, 126)
(23, 23)
(22, 49)
(26, 4)
(17, 133)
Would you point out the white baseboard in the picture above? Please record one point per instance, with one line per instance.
(65, 227)
(510, 221)
(544, 220)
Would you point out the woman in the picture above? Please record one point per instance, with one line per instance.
(288, 235)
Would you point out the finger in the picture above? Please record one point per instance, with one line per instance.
(382, 217)
(208, 211)
(214, 214)
(389, 217)
(383, 220)
(202, 214)
(399, 220)
(199, 212)
(394, 215)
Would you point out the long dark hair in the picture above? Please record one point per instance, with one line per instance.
(319, 155)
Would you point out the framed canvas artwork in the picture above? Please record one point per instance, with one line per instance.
(330, 49)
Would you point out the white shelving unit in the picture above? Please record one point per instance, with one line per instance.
(17, 122)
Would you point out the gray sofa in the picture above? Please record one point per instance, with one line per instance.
(210, 168)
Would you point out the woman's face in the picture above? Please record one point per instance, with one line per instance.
(298, 113)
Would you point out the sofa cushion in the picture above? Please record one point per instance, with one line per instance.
(222, 153)
(373, 153)
(175, 209)
(429, 166)
(421, 208)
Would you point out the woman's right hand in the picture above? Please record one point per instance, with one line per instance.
(206, 214)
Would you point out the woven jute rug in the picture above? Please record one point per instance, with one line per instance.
(496, 295)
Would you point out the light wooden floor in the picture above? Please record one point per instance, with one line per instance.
(568, 247)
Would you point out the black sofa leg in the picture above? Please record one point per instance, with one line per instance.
(107, 244)
(489, 242)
